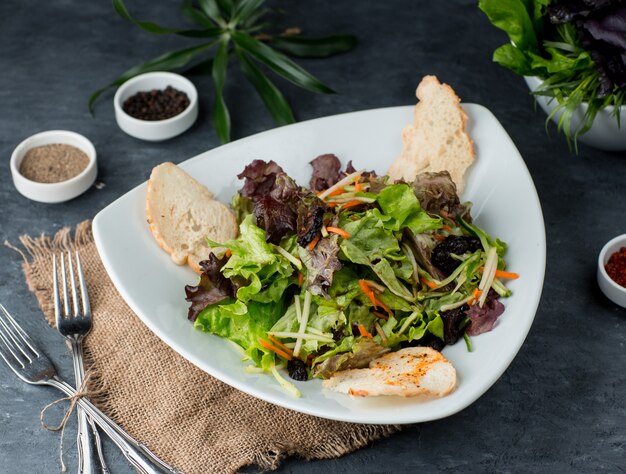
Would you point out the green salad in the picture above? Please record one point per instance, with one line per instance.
(329, 277)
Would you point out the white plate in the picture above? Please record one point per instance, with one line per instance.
(505, 204)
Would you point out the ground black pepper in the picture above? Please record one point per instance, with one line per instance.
(53, 163)
(156, 104)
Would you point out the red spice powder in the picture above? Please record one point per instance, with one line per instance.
(616, 267)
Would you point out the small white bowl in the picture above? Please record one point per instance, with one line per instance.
(604, 134)
(156, 130)
(612, 290)
(54, 192)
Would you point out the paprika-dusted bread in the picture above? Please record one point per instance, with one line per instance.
(182, 214)
(437, 139)
(408, 372)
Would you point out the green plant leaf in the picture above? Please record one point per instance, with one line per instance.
(273, 99)
(511, 57)
(314, 47)
(221, 117)
(245, 9)
(512, 17)
(165, 62)
(227, 6)
(155, 29)
(212, 10)
(280, 63)
(251, 24)
(197, 16)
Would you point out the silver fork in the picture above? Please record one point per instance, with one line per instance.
(74, 327)
(32, 366)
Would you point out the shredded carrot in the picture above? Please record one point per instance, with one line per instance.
(364, 332)
(313, 242)
(439, 237)
(267, 345)
(475, 295)
(280, 344)
(368, 291)
(430, 284)
(382, 305)
(331, 204)
(337, 192)
(509, 275)
(338, 231)
(351, 204)
(228, 253)
(372, 296)
(503, 274)
(300, 279)
(447, 227)
(357, 186)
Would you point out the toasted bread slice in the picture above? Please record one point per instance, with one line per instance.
(437, 139)
(182, 214)
(408, 372)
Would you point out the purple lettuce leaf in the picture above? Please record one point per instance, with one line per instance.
(321, 264)
(326, 172)
(212, 288)
(260, 177)
(275, 217)
(436, 192)
(483, 319)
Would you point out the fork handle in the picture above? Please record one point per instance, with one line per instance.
(142, 459)
(90, 457)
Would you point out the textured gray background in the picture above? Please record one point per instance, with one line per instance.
(558, 408)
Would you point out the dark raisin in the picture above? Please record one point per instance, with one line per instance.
(338, 333)
(310, 221)
(297, 370)
(451, 323)
(432, 341)
(453, 244)
(428, 340)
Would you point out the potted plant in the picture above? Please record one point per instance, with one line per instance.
(572, 54)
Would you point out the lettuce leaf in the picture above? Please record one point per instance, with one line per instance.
(258, 262)
(372, 244)
(243, 324)
(401, 209)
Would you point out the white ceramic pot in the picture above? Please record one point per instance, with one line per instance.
(604, 133)
(54, 192)
(156, 130)
(612, 290)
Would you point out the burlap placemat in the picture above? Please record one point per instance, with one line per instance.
(191, 420)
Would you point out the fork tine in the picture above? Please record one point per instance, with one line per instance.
(27, 340)
(73, 281)
(55, 285)
(10, 340)
(66, 307)
(7, 351)
(83, 287)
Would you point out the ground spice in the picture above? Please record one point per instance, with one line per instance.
(53, 163)
(156, 104)
(616, 267)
